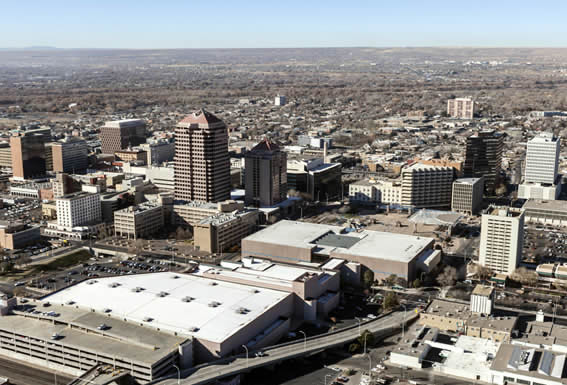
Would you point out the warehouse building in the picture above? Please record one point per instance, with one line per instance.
(301, 243)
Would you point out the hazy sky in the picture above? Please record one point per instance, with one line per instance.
(281, 23)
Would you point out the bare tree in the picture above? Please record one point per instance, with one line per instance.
(448, 276)
(525, 276)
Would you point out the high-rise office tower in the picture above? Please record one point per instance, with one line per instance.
(70, 155)
(483, 157)
(28, 153)
(501, 239)
(121, 134)
(542, 159)
(202, 161)
(265, 174)
(541, 180)
(461, 108)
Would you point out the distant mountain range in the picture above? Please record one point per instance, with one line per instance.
(38, 47)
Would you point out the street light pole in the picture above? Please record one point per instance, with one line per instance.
(304, 340)
(245, 348)
(358, 319)
(404, 321)
(178, 374)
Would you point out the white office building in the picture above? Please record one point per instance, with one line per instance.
(542, 158)
(501, 239)
(78, 209)
(541, 180)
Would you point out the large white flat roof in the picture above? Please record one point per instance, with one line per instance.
(366, 243)
(170, 313)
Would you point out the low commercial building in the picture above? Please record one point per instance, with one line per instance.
(317, 292)
(547, 212)
(302, 242)
(539, 191)
(223, 230)
(189, 213)
(139, 221)
(482, 300)
(457, 317)
(467, 195)
(40, 190)
(18, 235)
(219, 316)
(131, 155)
(364, 191)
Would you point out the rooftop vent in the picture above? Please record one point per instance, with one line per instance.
(92, 282)
(137, 289)
(242, 310)
(254, 291)
(213, 283)
(214, 304)
(70, 302)
(148, 319)
(162, 294)
(107, 310)
(114, 284)
(193, 329)
(187, 299)
(175, 277)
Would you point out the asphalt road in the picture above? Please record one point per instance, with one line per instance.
(20, 374)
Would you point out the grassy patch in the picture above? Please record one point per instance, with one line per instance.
(65, 261)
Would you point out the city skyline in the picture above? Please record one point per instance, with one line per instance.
(176, 24)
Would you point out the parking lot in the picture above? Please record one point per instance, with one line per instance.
(99, 268)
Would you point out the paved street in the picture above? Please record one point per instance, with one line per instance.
(20, 374)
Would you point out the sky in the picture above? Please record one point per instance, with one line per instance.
(282, 23)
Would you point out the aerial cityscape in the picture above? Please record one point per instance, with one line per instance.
(323, 205)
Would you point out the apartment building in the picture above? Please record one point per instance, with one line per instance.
(460, 108)
(427, 186)
(202, 161)
(501, 239)
(139, 221)
(5, 155)
(78, 209)
(467, 195)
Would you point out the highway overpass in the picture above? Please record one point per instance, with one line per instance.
(206, 373)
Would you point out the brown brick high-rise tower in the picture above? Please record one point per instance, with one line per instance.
(202, 162)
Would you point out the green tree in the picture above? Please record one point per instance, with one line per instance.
(391, 280)
(416, 283)
(368, 278)
(391, 301)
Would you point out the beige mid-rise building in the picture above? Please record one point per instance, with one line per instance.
(427, 186)
(501, 239)
(139, 221)
(202, 161)
(461, 108)
(467, 195)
